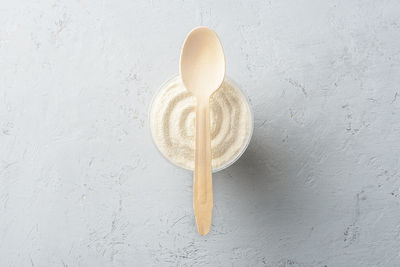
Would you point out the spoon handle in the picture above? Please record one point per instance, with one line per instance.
(202, 184)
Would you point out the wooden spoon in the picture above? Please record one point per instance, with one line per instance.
(202, 68)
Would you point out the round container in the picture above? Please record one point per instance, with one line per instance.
(227, 164)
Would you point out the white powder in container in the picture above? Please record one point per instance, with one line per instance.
(172, 123)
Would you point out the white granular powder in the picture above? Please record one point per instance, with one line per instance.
(172, 122)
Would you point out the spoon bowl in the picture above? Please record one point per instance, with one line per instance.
(202, 64)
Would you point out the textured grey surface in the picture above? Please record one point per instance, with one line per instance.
(81, 183)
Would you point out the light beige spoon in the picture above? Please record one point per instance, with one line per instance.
(202, 68)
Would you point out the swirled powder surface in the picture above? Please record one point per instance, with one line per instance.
(172, 122)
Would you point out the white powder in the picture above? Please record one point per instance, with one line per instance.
(172, 122)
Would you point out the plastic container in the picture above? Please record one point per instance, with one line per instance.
(229, 163)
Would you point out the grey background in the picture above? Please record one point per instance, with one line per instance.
(81, 183)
